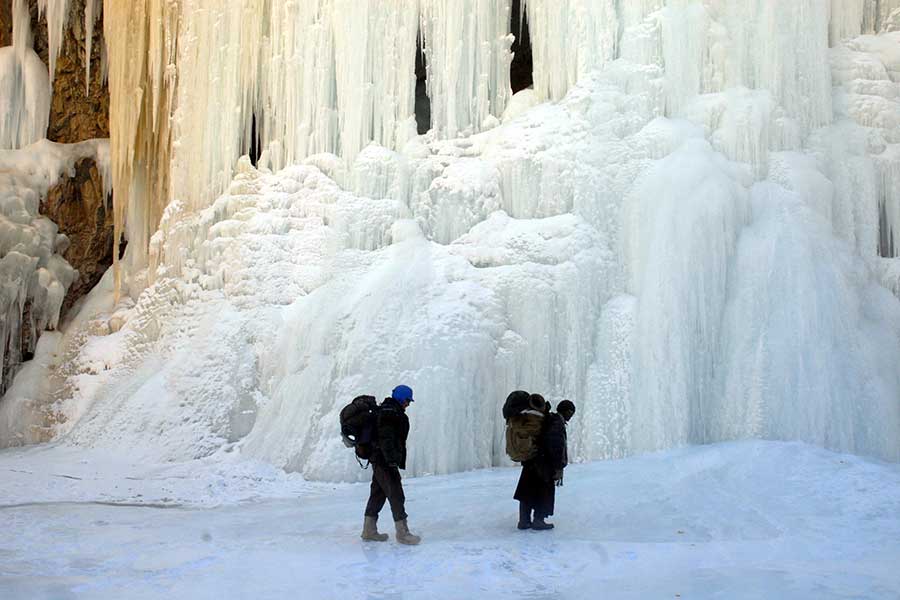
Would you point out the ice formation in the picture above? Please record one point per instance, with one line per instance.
(33, 274)
(24, 87)
(687, 227)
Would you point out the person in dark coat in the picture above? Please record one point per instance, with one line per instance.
(388, 457)
(536, 491)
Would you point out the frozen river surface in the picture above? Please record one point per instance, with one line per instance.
(737, 520)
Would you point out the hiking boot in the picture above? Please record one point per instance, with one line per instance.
(370, 531)
(524, 516)
(540, 525)
(403, 534)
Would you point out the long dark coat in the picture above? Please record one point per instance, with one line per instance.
(537, 487)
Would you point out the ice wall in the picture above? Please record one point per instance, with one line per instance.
(682, 238)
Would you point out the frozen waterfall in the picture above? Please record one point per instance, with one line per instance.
(686, 227)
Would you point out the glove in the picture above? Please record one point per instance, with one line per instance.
(558, 477)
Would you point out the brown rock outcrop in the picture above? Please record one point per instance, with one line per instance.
(84, 213)
(5, 24)
(76, 113)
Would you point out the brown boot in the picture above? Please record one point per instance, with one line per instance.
(403, 534)
(370, 531)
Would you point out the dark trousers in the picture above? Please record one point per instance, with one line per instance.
(386, 485)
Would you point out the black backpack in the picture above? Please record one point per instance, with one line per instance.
(359, 422)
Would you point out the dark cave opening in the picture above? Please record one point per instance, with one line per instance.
(521, 70)
(255, 144)
(423, 102)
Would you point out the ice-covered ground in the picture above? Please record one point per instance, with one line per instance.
(734, 520)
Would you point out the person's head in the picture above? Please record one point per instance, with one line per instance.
(537, 402)
(403, 394)
(566, 409)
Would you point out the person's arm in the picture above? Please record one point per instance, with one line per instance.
(556, 444)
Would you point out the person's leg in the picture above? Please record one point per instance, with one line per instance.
(377, 494)
(544, 507)
(526, 494)
(524, 515)
(373, 507)
(392, 485)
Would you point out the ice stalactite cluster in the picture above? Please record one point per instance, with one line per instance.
(34, 276)
(320, 76)
(24, 86)
(569, 39)
(861, 149)
(681, 237)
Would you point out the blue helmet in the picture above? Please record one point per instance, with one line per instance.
(402, 393)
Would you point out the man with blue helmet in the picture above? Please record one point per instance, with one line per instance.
(388, 458)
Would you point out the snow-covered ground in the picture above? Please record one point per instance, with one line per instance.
(734, 520)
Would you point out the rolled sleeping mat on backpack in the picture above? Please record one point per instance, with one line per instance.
(516, 402)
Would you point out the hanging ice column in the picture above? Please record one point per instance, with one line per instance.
(24, 86)
(569, 38)
(318, 76)
(466, 47)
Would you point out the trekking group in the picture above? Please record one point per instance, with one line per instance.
(535, 437)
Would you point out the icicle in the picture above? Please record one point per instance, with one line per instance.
(569, 38)
(57, 15)
(466, 45)
(91, 13)
(22, 36)
(522, 9)
(24, 97)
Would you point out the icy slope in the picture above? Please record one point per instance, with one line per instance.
(741, 520)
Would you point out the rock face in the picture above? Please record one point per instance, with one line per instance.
(76, 113)
(5, 24)
(83, 212)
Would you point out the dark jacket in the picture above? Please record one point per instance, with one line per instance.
(553, 451)
(393, 429)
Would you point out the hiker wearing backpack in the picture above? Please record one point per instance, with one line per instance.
(536, 491)
(387, 458)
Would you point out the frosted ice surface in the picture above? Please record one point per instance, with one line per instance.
(812, 524)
